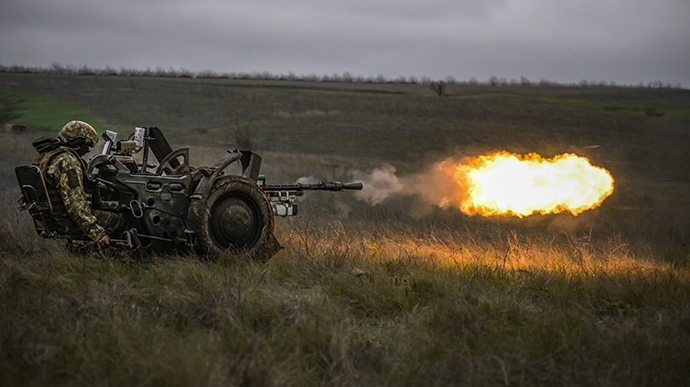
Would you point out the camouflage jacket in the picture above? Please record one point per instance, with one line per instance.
(63, 171)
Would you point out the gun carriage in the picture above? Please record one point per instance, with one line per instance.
(171, 205)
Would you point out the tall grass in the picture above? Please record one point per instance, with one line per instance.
(346, 306)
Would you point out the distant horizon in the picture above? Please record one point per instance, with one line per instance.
(345, 77)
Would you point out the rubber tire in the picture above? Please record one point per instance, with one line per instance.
(238, 219)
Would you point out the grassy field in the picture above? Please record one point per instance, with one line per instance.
(398, 293)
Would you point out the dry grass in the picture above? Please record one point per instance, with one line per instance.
(346, 306)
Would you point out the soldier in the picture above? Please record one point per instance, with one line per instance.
(63, 170)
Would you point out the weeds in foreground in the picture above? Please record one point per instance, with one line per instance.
(346, 306)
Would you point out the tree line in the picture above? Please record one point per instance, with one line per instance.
(438, 86)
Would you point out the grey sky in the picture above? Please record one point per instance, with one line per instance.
(626, 41)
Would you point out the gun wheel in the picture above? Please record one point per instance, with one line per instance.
(238, 219)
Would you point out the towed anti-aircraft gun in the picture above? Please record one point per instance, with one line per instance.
(171, 205)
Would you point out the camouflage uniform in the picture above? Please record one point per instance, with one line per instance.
(63, 171)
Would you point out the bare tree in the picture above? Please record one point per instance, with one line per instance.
(439, 87)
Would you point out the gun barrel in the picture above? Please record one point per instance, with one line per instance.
(321, 186)
(353, 186)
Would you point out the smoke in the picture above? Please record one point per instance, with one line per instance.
(307, 180)
(378, 185)
(435, 185)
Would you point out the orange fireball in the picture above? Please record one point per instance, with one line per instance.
(504, 183)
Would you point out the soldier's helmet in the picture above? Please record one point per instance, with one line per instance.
(75, 129)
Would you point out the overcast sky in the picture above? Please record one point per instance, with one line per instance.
(625, 41)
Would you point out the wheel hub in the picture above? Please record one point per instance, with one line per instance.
(234, 223)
